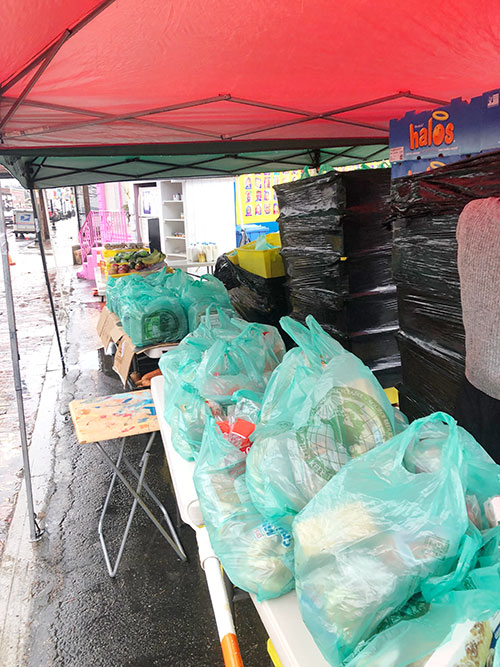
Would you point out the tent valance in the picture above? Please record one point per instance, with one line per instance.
(61, 167)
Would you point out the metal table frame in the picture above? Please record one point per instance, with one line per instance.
(171, 538)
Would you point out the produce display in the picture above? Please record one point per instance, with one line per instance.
(125, 261)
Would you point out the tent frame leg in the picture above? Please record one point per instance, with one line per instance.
(35, 531)
(47, 281)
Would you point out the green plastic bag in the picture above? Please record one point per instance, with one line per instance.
(202, 293)
(374, 534)
(245, 362)
(480, 474)
(187, 416)
(322, 407)
(256, 555)
(116, 287)
(262, 244)
(151, 318)
(176, 283)
(185, 410)
(111, 284)
(459, 628)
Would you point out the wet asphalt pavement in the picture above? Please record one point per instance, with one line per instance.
(157, 610)
(35, 333)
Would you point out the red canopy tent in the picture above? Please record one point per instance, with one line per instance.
(192, 88)
(102, 90)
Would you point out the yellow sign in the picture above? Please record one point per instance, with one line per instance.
(256, 199)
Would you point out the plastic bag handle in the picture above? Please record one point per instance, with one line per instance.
(299, 333)
(333, 345)
(472, 541)
(318, 349)
(224, 319)
(209, 278)
(449, 452)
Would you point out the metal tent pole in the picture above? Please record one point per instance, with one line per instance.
(47, 281)
(35, 532)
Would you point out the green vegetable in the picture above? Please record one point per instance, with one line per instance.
(153, 258)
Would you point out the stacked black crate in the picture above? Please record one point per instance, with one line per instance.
(426, 208)
(336, 247)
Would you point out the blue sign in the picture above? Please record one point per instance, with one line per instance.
(490, 122)
(428, 139)
(409, 167)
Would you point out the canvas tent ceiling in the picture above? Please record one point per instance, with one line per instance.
(225, 79)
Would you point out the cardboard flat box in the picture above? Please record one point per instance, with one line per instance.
(126, 351)
(106, 327)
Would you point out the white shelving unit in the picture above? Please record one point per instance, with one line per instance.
(189, 211)
(172, 219)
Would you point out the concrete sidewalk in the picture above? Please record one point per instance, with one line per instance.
(58, 605)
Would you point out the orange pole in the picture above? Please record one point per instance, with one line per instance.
(231, 651)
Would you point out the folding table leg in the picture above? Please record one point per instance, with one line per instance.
(176, 545)
(153, 496)
(111, 569)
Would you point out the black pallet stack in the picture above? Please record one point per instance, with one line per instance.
(426, 208)
(336, 247)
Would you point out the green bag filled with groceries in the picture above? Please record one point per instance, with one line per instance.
(184, 409)
(199, 294)
(459, 629)
(322, 407)
(244, 362)
(376, 533)
(256, 554)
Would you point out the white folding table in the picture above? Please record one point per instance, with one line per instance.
(281, 616)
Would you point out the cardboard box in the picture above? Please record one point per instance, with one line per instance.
(126, 352)
(109, 329)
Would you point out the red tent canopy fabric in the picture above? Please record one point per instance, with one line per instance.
(196, 73)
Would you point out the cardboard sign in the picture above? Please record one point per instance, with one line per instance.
(450, 131)
(409, 167)
(425, 140)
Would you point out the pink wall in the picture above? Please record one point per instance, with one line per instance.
(101, 196)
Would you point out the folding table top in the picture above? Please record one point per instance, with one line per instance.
(113, 417)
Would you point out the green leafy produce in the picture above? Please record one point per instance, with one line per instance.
(153, 258)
